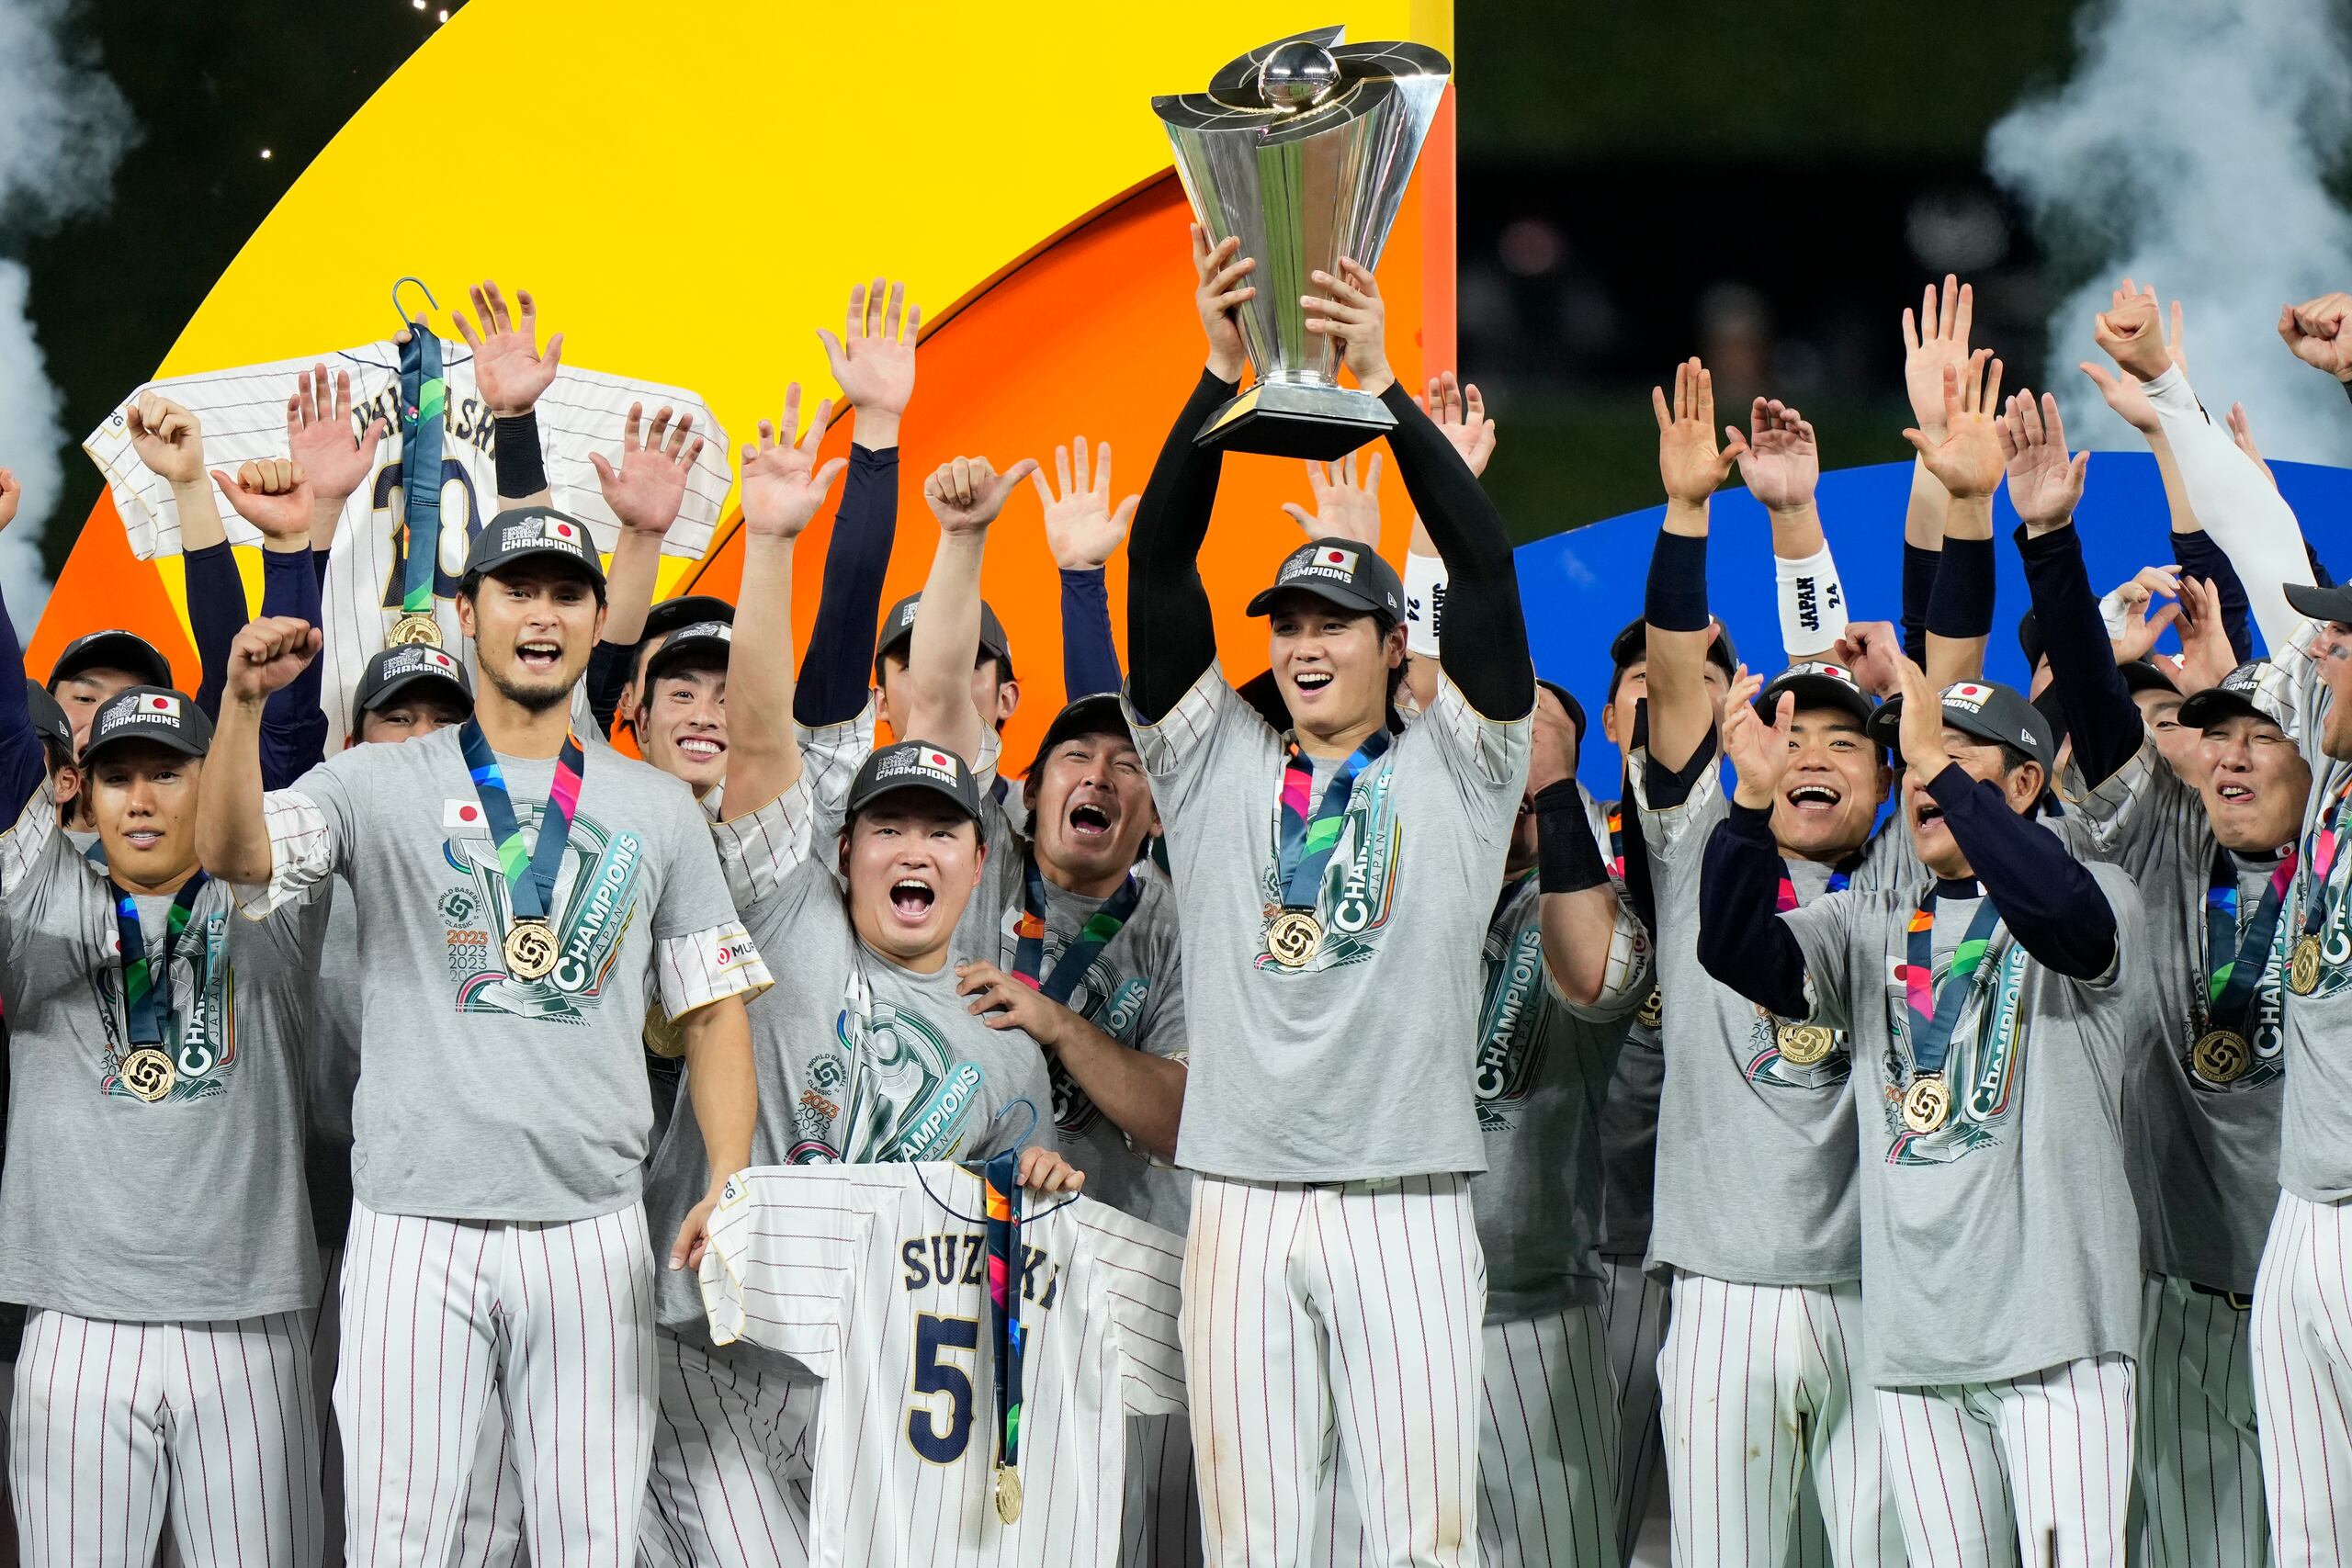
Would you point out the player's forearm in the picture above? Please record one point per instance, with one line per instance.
(200, 514)
(2237, 505)
(762, 749)
(1578, 911)
(1678, 629)
(2100, 714)
(1812, 599)
(216, 613)
(836, 674)
(945, 644)
(23, 765)
(723, 1083)
(628, 585)
(1960, 610)
(1742, 942)
(1090, 655)
(1142, 1094)
(293, 722)
(520, 462)
(232, 835)
(1172, 628)
(1493, 670)
(1924, 511)
(2052, 904)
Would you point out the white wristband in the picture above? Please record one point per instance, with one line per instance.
(2118, 616)
(1812, 603)
(1425, 581)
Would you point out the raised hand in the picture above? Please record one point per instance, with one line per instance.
(2316, 332)
(2142, 629)
(2206, 656)
(1873, 651)
(12, 495)
(509, 369)
(646, 491)
(1758, 751)
(1780, 461)
(268, 654)
(273, 494)
(1082, 529)
(1460, 415)
(1218, 293)
(966, 493)
(167, 437)
(1343, 509)
(1356, 317)
(2241, 436)
(319, 436)
(2130, 332)
(2045, 484)
(873, 359)
(1966, 458)
(1936, 337)
(1687, 461)
(2123, 395)
(782, 487)
(1921, 732)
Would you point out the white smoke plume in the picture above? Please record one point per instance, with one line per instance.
(2190, 150)
(63, 126)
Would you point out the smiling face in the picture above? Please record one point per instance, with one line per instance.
(2253, 784)
(911, 860)
(143, 797)
(84, 694)
(1331, 664)
(534, 624)
(1090, 809)
(1833, 789)
(1979, 758)
(682, 723)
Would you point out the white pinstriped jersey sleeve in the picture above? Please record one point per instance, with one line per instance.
(1141, 1284)
(29, 839)
(703, 968)
(301, 854)
(1496, 749)
(829, 757)
(756, 851)
(782, 1268)
(1183, 728)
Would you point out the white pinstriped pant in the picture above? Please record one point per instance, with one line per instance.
(1634, 1315)
(117, 1426)
(1986, 1473)
(2198, 1499)
(1359, 1301)
(449, 1324)
(1761, 1392)
(1161, 1525)
(730, 1462)
(2303, 1380)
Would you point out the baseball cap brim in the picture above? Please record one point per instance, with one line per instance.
(994, 644)
(411, 680)
(1885, 727)
(191, 735)
(127, 651)
(1098, 713)
(2213, 705)
(2321, 603)
(670, 613)
(2144, 675)
(669, 653)
(1344, 594)
(1814, 691)
(879, 789)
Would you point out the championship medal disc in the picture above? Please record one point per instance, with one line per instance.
(1804, 1044)
(1295, 938)
(1008, 1493)
(149, 1074)
(2302, 967)
(2220, 1057)
(416, 631)
(530, 950)
(1926, 1105)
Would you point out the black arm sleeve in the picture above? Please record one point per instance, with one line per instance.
(1670, 788)
(2054, 905)
(1172, 631)
(1741, 939)
(608, 667)
(2199, 556)
(24, 765)
(1918, 587)
(1494, 669)
(2101, 713)
(1961, 605)
(838, 669)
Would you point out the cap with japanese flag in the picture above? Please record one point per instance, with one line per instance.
(155, 714)
(1986, 709)
(1341, 570)
(403, 669)
(915, 764)
(1817, 684)
(524, 531)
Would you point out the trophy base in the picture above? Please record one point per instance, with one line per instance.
(1286, 419)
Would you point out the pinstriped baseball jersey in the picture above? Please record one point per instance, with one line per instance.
(243, 415)
(875, 1278)
(2315, 1121)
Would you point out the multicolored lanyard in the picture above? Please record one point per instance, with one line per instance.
(1617, 842)
(1840, 880)
(2236, 963)
(146, 984)
(1308, 841)
(1001, 1175)
(2318, 852)
(530, 874)
(1936, 1012)
(425, 397)
(1029, 952)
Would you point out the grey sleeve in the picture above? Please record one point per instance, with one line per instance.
(1824, 931)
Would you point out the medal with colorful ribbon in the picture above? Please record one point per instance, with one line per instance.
(2319, 853)
(1295, 935)
(530, 874)
(149, 1071)
(425, 397)
(1001, 1175)
(1029, 949)
(2235, 966)
(1935, 1011)
(1807, 1044)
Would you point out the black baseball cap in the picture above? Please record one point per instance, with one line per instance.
(1631, 646)
(1097, 712)
(112, 650)
(397, 670)
(56, 731)
(712, 637)
(2331, 603)
(2146, 675)
(2257, 689)
(1342, 571)
(1817, 684)
(1986, 709)
(898, 627)
(2030, 640)
(915, 764)
(684, 611)
(150, 713)
(521, 532)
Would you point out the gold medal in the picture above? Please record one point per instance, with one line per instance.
(1927, 1104)
(149, 1074)
(530, 950)
(2220, 1057)
(1295, 938)
(415, 631)
(1806, 1045)
(1652, 1010)
(2302, 967)
(1008, 1493)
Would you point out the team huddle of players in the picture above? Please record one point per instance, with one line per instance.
(1288, 1121)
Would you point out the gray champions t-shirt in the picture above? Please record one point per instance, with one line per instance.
(183, 1207)
(2315, 1121)
(2204, 1147)
(334, 1068)
(481, 1096)
(1349, 1068)
(2007, 1241)
(1133, 991)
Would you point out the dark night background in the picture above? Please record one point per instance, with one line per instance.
(1763, 186)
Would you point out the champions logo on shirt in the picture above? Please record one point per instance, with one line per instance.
(1112, 1002)
(901, 1097)
(199, 1027)
(1985, 1067)
(1359, 881)
(595, 900)
(1510, 1024)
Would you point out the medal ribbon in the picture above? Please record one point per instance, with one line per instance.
(1935, 1012)
(2319, 853)
(1838, 881)
(1308, 841)
(530, 874)
(2238, 962)
(1001, 1176)
(1029, 952)
(423, 398)
(146, 996)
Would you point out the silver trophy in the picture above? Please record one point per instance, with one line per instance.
(1303, 148)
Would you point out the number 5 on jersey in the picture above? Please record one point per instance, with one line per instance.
(933, 1377)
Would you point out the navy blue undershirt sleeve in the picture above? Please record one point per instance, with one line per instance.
(293, 722)
(2199, 556)
(1742, 941)
(2100, 714)
(1090, 655)
(23, 763)
(838, 670)
(216, 613)
(1962, 606)
(2053, 907)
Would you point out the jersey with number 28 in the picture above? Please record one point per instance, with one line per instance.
(875, 1278)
